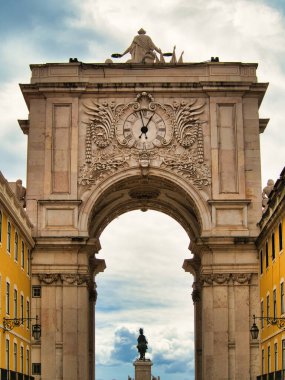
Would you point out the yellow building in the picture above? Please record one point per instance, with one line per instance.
(271, 245)
(15, 286)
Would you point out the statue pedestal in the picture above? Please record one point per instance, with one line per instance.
(143, 369)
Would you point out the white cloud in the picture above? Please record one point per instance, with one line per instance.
(144, 254)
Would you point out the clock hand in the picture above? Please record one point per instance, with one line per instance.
(149, 120)
(141, 118)
(144, 128)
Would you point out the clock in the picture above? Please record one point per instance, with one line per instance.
(144, 129)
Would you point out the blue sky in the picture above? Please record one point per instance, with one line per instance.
(155, 292)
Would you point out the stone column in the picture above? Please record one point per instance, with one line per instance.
(196, 297)
(67, 310)
(228, 352)
(193, 266)
(91, 346)
(225, 296)
(96, 266)
(143, 369)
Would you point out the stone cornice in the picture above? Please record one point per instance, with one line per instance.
(274, 211)
(55, 243)
(14, 210)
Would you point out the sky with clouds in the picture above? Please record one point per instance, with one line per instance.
(153, 291)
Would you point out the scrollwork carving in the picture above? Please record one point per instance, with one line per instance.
(101, 126)
(103, 162)
(188, 125)
(175, 140)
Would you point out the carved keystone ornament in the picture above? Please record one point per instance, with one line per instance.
(143, 132)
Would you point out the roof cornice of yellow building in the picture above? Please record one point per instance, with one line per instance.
(14, 209)
(275, 208)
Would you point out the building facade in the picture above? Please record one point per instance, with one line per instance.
(272, 286)
(15, 286)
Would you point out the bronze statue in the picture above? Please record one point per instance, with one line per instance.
(142, 345)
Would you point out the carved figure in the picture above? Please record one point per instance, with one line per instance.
(142, 49)
(21, 192)
(142, 345)
(266, 192)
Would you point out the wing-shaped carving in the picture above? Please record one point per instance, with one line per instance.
(187, 128)
(101, 125)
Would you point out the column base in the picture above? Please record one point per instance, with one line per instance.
(143, 369)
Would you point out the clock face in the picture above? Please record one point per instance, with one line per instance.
(144, 129)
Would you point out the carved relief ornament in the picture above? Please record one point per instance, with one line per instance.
(143, 132)
(65, 278)
(225, 278)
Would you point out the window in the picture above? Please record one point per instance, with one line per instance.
(22, 359)
(267, 307)
(268, 360)
(273, 246)
(15, 303)
(22, 307)
(16, 246)
(261, 261)
(283, 354)
(275, 357)
(7, 351)
(36, 291)
(23, 255)
(274, 304)
(36, 369)
(262, 362)
(7, 298)
(282, 306)
(280, 237)
(9, 237)
(15, 357)
(266, 255)
(1, 219)
(262, 314)
(29, 262)
(28, 314)
(28, 363)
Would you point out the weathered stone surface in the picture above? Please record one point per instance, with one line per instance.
(89, 161)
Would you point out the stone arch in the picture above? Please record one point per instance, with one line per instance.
(210, 132)
(160, 190)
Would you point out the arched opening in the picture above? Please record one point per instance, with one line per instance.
(168, 194)
(144, 285)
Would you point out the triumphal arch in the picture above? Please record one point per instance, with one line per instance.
(180, 138)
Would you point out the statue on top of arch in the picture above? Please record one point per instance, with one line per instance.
(142, 50)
